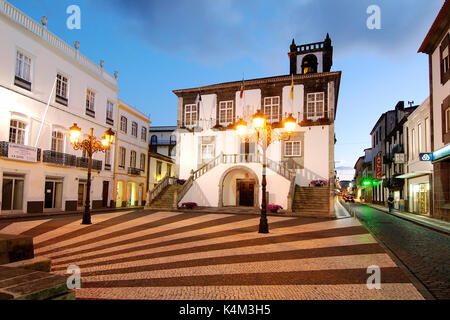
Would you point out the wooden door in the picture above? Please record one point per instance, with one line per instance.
(246, 193)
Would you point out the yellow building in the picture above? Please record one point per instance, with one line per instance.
(159, 166)
(131, 156)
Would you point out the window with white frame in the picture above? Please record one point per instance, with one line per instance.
(108, 157)
(315, 105)
(190, 115)
(272, 109)
(57, 141)
(144, 133)
(17, 131)
(292, 149)
(413, 143)
(23, 67)
(62, 85)
(142, 162)
(133, 159)
(90, 100)
(134, 129)
(226, 112)
(123, 124)
(122, 156)
(207, 151)
(109, 110)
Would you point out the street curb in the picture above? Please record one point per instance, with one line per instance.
(427, 295)
(411, 219)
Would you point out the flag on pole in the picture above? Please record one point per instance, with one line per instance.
(292, 88)
(198, 99)
(242, 87)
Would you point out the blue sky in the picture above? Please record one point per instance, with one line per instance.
(158, 46)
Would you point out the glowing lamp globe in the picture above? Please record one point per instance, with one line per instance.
(109, 136)
(259, 120)
(75, 133)
(289, 124)
(241, 127)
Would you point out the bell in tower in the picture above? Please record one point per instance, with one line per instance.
(311, 58)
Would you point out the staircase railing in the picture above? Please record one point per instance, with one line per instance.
(291, 194)
(159, 188)
(235, 159)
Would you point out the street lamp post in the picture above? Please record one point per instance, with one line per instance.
(91, 145)
(264, 137)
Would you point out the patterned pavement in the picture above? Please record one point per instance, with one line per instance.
(191, 256)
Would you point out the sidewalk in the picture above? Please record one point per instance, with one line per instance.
(62, 213)
(439, 225)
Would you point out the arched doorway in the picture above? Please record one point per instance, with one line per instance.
(239, 187)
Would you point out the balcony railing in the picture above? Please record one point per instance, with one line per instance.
(135, 171)
(41, 32)
(4, 150)
(163, 143)
(63, 159)
(84, 163)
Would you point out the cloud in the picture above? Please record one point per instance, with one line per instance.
(214, 32)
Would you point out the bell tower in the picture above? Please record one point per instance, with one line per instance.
(312, 57)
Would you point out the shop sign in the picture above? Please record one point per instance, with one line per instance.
(378, 167)
(21, 152)
(426, 156)
(399, 158)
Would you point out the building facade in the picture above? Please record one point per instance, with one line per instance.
(389, 155)
(364, 181)
(437, 45)
(158, 167)
(39, 170)
(131, 156)
(226, 169)
(418, 174)
(163, 140)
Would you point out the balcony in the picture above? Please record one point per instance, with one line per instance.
(59, 158)
(4, 150)
(163, 143)
(84, 163)
(135, 171)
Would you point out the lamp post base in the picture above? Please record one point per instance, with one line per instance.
(263, 225)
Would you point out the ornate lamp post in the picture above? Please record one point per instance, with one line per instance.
(265, 135)
(91, 145)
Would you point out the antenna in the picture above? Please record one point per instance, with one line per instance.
(411, 103)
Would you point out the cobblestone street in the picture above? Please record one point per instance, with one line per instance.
(426, 253)
(166, 255)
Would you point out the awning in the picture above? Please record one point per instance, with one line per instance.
(410, 175)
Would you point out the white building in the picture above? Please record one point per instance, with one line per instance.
(39, 170)
(417, 139)
(163, 140)
(222, 170)
(130, 172)
(437, 45)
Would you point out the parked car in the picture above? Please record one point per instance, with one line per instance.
(349, 198)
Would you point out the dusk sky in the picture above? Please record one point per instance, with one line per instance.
(159, 46)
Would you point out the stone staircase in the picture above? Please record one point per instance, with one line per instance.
(26, 277)
(312, 201)
(165, 199)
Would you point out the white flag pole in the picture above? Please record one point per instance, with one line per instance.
(45, 114)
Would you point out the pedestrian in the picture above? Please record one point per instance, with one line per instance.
(390, 203)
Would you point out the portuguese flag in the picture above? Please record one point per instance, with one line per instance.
(242, 88)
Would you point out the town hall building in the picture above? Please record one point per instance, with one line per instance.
(223, 170)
